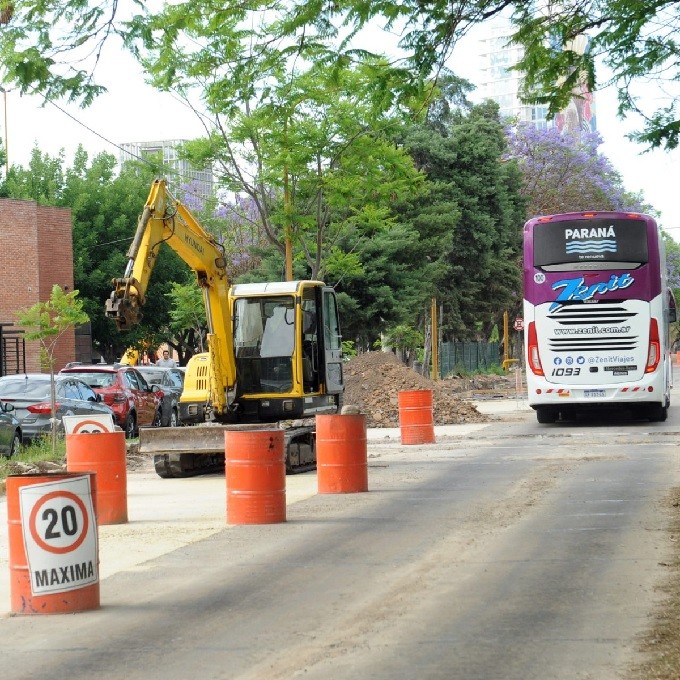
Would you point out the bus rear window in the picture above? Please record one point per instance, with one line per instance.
(590, 244)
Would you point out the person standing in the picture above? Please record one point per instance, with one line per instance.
(166, 361)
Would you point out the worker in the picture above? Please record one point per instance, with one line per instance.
(166, 361)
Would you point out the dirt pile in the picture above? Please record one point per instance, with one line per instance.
(374, 379)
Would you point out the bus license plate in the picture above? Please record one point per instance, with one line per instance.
(597, 394)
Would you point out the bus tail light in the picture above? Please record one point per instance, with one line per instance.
(654, 353)
(532, 346)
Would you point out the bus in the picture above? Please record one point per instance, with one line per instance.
(597, 309)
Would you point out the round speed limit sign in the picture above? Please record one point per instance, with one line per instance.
(60, 534)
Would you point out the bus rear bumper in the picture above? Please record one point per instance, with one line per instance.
(648, 390)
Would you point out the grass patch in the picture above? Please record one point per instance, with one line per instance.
(36, 454)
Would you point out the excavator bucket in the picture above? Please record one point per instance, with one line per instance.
(188, 451)
(201, 439)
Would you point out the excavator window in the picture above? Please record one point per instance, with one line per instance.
(264, 339)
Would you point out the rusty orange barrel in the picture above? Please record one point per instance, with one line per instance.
(255, 470)
(103, 453)
(416, 420)
(53, 549)
(341, 457)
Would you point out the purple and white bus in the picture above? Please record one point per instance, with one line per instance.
(597, 309)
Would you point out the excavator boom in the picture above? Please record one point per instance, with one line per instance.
(165, 220)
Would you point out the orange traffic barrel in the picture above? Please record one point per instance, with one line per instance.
(53, 548)
(416, 420)
(255, 471)
(341, 456)
(104, 454)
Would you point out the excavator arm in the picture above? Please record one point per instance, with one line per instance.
(166, 220)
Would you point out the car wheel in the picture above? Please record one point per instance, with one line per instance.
(130, 426)
(174, 418)
(15, 445)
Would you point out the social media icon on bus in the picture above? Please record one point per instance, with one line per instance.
(569, 360)
(580, 360)
(557, 361)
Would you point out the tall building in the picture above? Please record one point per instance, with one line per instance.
(502, 84)
(180, 172)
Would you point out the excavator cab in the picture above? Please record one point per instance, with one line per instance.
(288, 350)
(288, 354)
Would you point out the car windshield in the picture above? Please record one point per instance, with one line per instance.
(25, 387)
(95, 378)
(153, 376)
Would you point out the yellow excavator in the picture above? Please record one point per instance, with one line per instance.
(274, 350)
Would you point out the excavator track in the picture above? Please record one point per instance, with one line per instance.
(199, 449)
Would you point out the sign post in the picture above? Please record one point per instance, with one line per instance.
(53, 543)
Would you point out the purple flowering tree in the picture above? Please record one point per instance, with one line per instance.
(566, 172)
(233, 221)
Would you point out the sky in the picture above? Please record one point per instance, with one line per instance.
(133, 112)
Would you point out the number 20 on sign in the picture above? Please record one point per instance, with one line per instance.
(60, 535)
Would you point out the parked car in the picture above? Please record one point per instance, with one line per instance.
(29, 394)
(10, 430)
(171, 383)
(135, 404)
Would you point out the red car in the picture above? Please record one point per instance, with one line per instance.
(124, 389)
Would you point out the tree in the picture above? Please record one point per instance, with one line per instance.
(292, 123)
(470, 222)
(565, 172)
(47, 322)
(188, 323)
(105, 207)
(42, 47)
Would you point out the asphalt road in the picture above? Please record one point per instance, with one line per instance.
(511, 550)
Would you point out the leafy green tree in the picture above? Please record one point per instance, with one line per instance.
(322, 165)
(47, 322)
(634, 39)
(470, 222)
(105, 205)
(188, 324)
(42, 181)
(292, 125)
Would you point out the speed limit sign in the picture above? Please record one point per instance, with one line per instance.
(60, 534)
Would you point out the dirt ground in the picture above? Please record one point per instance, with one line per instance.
(374, 379)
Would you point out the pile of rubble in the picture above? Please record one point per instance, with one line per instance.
(374, 379)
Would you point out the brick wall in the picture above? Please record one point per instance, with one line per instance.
(37, 252)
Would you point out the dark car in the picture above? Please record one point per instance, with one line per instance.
(135, 404)
(29, 394)
(10, 431)
(171, 382)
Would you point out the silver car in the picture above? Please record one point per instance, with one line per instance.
(30, 396)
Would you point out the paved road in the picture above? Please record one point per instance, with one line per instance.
(511, 550)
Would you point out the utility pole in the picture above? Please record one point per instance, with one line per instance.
(435, 341)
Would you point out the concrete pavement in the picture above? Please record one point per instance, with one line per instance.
(166, 514)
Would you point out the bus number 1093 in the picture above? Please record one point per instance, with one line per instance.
(566, 371)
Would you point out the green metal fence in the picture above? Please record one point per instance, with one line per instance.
(469, 356)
